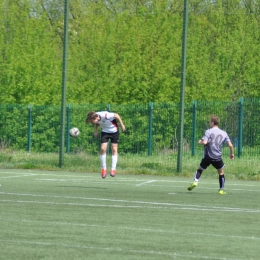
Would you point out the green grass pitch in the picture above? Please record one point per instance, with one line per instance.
(68, 215)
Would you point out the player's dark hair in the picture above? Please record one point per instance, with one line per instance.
(91, 116)
(214, 119)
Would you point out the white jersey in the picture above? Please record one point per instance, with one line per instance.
(107, 122)
(215, 138)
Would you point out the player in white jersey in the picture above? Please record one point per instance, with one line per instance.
(213, 140)
(108, 123)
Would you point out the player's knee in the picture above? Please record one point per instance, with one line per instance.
(221, 172)
(103, 151)
(114, 148)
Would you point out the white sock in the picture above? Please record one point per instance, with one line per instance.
(103, 161)
(114, 161)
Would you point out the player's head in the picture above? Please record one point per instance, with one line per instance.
(92, 117)
(214, 120)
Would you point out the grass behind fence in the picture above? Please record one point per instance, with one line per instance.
(246, 167)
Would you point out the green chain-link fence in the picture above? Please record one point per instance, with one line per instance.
(151, 128)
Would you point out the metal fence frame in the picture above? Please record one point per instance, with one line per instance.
(151, 128)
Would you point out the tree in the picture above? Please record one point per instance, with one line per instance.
(128, 51)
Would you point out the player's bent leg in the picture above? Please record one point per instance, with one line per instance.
(197, 176)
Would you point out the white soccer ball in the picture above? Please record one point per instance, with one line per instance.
(74, 132)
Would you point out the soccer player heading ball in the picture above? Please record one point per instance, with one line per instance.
(108, 123)
(213, 140)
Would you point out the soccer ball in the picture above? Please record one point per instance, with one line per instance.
(74, 132)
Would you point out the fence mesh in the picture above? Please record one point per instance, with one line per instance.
(152, 129)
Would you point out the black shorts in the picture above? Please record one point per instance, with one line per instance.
(114, 137)
(216, 163)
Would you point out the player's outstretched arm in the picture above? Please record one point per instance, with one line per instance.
(120, 121)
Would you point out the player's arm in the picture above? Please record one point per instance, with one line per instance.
(96, 130)
(202, 142)
(205, 139)
(231, 148)
(117, 117)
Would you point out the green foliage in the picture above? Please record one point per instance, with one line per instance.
(5, 157)
(4, 144)
(128, 51)
(29, 65)
(13, 125)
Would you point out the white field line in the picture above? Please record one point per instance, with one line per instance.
(144, 183)
(132, 206)
(128, 182)
(102, 181)
(168, 181)
(120, 178)
(72, 204)
(131, 228)
(149, 252)
(137, 180)
(18, 176)
(11, 172)
(149, 203)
